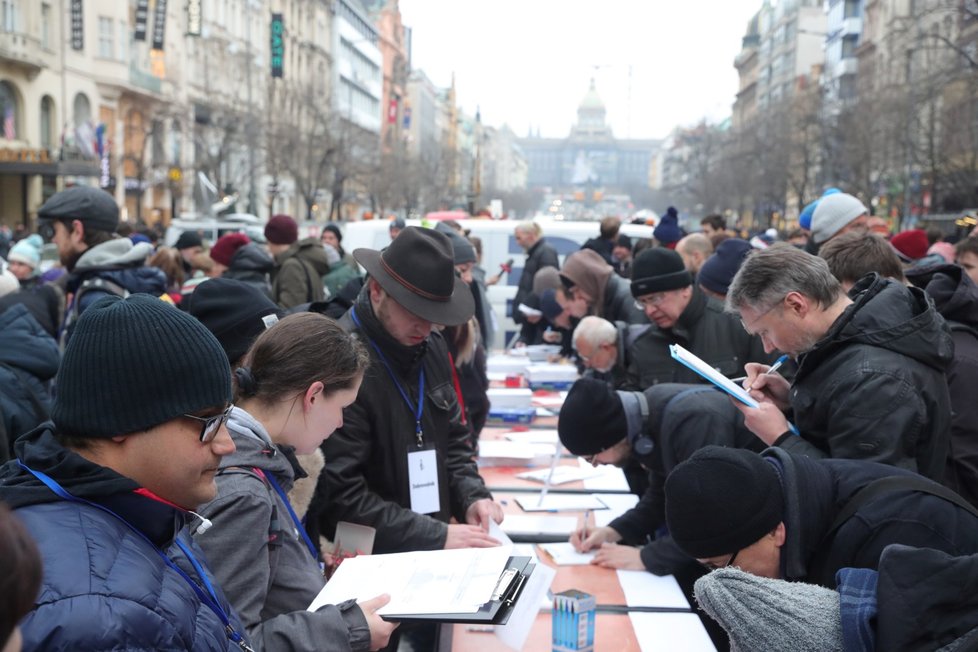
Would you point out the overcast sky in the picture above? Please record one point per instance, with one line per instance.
(528, 63)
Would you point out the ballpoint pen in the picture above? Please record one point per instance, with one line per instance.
(587, 517)
(777, 365)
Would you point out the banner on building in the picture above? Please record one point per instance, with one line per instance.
(194, 17)
(392, 112)
(77, 25)
(407, 117)
(142, 19)
(159, 25)
(278, 45)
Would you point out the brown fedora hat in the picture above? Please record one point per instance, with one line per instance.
(418, 271)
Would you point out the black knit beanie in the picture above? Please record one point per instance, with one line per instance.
(135, 363)
(592, 418)
(722, 500)
(234, 311)
(658, 270)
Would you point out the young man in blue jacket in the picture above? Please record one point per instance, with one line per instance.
(106, 489)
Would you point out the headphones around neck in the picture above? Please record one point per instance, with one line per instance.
(641, 443)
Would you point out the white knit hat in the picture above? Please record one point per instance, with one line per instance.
(833, 213)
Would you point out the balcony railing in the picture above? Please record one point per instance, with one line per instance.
(21, 49)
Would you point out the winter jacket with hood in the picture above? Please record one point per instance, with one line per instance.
(612, 294)
(259, 557)
(105, 587)
(873, 388)
(538, 256)
(682, 419)
(815, 491)
(298, 274)
(366, 472)
(119, 262)
(956, 299)
(253, 265)
(704, 328)
(29, 358)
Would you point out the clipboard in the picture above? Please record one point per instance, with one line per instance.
(495, 612)
(695, 363)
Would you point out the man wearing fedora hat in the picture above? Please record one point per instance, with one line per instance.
(402, 462)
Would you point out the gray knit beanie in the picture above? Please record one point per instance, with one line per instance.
(764, 614)
(833, 213)
(135, 363)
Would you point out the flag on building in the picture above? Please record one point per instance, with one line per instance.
(9, 126)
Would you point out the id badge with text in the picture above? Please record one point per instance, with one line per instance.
(423, 480)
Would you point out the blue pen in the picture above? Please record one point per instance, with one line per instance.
(777, 365)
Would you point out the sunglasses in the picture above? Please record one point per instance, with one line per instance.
(209, 426)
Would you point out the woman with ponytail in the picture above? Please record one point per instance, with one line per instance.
(292, 387)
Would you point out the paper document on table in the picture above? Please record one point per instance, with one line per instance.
(511, 453)
(497, 533)
(617, 504)
(564, 554)
(690, 360)
(561, 475)
(549, 437)
(657, 631)
(608, 478)
(532, 524)
(643, 589)
(559, 502)
(425, 582)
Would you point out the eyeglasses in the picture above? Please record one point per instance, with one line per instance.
(709, 565)
(211, 425)
(764, 314)
(654, 299)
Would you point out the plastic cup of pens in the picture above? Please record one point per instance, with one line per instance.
(573, 621)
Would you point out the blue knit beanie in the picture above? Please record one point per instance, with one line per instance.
(134, 363)
(668, 231)
(720, 268)
(805, 219)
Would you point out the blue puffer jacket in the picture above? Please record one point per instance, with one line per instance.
(29, 358)
(105, 587)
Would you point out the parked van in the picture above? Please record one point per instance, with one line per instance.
(498, 246)
(212, 229)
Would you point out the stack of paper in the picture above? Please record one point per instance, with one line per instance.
(510, 365)
(541, 352)
(551, 376)
(564, 554)
(506, 397)
(523, 525)
(609, 478)
(509, 453)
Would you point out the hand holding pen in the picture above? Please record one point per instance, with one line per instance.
(763, 379)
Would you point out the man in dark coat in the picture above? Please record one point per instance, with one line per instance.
(539, 254)
(659, 428)
(682, 314)
(871, 379)
(299, 264)
(956, 298)
(777, 515)
(105, 488)
(236, 257)
(399, 464)
(595, 289)
(82, 221)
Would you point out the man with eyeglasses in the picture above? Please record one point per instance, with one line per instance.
(791, 517)
(871, 381)
(604, 347)
(682, 314)
(107, 487)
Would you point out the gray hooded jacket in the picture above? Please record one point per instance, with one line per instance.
(259, 557)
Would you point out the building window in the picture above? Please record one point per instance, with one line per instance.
(123, 40)
(47, 122)
(46, 25)
(9, 15)
(106, 38)
(8, 111)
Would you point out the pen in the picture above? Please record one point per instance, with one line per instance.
(777, 365)
(587, 517)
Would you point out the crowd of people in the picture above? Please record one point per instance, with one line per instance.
(185, 429)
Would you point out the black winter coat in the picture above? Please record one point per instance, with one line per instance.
(956, 298)
(682, 419)
(540, 255)
(366, 472)
(706, 330)
(815, 491)
(619, 304)
(252, 265)
(874, 387)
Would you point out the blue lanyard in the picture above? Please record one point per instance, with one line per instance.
(295, 519)
(210, 598)
(415, 411)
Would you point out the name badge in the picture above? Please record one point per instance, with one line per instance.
(423, 478)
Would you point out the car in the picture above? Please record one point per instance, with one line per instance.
(212, 229)
(498, 247)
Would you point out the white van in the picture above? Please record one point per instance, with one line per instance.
(212, 229)
(498, 246)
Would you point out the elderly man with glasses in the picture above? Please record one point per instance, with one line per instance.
(682, 314)
(871, 379)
